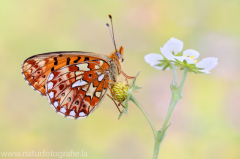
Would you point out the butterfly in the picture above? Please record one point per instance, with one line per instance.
(74, 82)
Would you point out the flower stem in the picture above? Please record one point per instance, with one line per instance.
(169, 113)
(157, 145)
(134, 100)
(174, 74)
(186, 69)
(176, 96)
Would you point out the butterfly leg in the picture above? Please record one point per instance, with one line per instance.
(117, 105)
(125, 75)
(127, 82)
(121, 71)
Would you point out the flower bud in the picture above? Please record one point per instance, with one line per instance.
(120, 90)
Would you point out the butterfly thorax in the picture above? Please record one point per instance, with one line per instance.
(115, 65)
(113, 72)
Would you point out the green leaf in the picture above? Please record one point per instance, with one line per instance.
(185, 62)
(165, 58)
(192, 67)
(160, 64)
(120, 115)
(133, 83)
(125, 103)
(177, 60)
(165, 67)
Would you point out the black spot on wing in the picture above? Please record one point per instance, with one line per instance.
(77, 60)
(86, 59)
(68, 60)
(55, 61)
(52, 69)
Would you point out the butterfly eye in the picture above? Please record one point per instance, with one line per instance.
(118, 55)
(122, 59)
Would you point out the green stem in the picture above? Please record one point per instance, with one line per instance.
(174, 74)
(134, 100)
(169, 113)
(176, 96)
(157, 144)
(174, 101)
(161, 133)
(186, 69)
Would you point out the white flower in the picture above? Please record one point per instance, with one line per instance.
(171, 48)
(207, 64)
(171, 51)
(153, 60)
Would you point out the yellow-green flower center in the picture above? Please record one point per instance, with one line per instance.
(191, 58)
(120, 90)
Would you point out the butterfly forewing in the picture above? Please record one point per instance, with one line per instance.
(37, 68)
(74, 82)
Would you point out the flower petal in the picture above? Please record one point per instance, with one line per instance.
(153, 59)
(207, 64)
(204, 71)
(166, 53)
(174, 45)
(190, 53)
(158, 67)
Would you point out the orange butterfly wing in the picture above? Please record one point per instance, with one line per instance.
(73, 84)
(36, 69)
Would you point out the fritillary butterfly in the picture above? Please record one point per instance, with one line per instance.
(74, 81)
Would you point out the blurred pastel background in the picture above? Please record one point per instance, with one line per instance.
(205, 123)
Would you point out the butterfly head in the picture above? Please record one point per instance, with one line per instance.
(118, 55)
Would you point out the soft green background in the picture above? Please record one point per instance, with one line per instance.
(205, 123)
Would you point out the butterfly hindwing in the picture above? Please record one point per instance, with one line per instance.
(75, 90)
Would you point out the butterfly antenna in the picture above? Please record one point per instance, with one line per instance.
(112, 27)
(112, 33)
